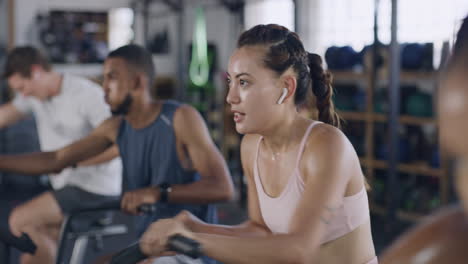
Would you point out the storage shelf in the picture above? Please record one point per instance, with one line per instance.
(341, 76)
(405, 76)
(407, 119)
(354, 116)
(378, 210)
(370, 121)
(411, 168)
(409, 76)
(400, 214)
(409, 216)
(404, 119)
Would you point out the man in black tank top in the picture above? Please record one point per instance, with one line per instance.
(167, 154)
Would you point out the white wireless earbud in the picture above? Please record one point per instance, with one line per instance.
(283, 95)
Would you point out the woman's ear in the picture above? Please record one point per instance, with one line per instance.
(289, 83)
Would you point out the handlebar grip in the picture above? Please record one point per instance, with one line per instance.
(147, 208)
(27, 244)
(185, 246)
(177, 243)
(129, 255)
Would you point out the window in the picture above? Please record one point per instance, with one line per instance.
(269, 11)
(120, 27)
(346, 22)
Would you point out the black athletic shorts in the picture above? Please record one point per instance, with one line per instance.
(71, 198)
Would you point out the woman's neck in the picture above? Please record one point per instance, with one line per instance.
(283, 137)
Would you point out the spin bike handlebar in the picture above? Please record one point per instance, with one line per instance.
(177, 243)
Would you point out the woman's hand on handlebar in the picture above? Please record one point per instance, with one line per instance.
(189, 220)
(154, 240)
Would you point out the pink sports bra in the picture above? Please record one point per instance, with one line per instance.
(278, 211)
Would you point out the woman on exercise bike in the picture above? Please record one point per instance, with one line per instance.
(307, 199)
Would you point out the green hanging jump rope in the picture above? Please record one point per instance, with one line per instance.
(199, 66)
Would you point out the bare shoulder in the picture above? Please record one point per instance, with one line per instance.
(112, 122)
(186, 113)
(324, 139)
(328, 150)
(187, 120)
(110, 127)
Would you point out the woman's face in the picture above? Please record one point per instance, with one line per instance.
(253, 90)
(453, 111)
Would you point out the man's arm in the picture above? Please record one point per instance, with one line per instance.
(47, 162)
(254, 225)
(9, 115)
(110, 154)
(215, 184)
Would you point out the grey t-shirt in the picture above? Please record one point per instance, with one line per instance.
(70, 116)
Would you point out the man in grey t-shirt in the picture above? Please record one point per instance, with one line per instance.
(67, 108)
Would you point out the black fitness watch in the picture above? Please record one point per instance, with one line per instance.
(164, 190)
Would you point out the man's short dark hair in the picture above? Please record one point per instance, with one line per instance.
(137, 58)
(20, 60)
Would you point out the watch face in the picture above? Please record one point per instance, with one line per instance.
(164, 189)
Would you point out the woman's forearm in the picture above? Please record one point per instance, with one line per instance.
(270, 249)
(246, 229)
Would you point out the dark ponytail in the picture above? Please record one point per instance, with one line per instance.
(323, 91)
